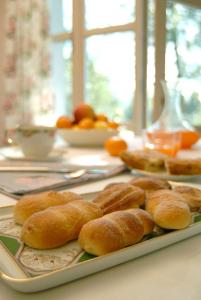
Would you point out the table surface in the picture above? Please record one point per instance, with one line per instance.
(170, 273)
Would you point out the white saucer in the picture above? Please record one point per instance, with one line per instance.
(14, 153)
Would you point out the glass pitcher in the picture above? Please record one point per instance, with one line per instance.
(170, 132)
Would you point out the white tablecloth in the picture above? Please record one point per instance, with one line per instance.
(171, 273)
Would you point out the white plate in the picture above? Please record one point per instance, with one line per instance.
(164, 175)
(17, 277)
(86, 137)
(14, 153)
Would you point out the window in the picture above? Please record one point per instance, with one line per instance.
(95, 57)
(103, 55)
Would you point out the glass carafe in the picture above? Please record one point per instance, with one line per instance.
(170, 132)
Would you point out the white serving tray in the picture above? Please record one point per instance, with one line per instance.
(19, 279)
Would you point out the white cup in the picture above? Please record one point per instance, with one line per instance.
(35, 141)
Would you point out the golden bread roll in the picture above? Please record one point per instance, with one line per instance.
(155, 198)
(169, 209)
(55, 226)
(144, 160)
(150, 184)
(191, 195)
(172, 215)
(119, 197)
(181, 166)
(111, 232)
(145, 217)
(32, 203)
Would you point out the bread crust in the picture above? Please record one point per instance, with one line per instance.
(119, 197)
(112, 232)
(191, 195)
(172, 215)
(55, 226)
(155, 198)
(32, 203)
(146, 219)
(169, 209)
(150, 184)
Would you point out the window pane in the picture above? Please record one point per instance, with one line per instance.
(62, 76)
(183, 56)
(60, 16)
(183, 41)
(110, 67)
(108, 13)
(191, 101)
(67, 14)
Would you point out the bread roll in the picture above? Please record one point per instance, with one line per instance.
(172, 215)
(119, 197)
(111, 232)
(55, 226)
(155, 198)
(145, 217)
(32, 203)
(169, 209)
(150, 184)
(191, 195)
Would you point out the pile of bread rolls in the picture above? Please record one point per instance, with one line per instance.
(119, 216)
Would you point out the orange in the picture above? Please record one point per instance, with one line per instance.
(112, 124)
(101, 117)
(63, 122)
(115, 145)
(100, 124)
(188, 138)
(86, 123)
(83, 110)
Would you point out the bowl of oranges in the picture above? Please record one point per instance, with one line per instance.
(86, 128)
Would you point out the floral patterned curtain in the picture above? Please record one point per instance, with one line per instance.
(27, 61)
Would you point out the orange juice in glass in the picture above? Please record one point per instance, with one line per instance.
(167, 142)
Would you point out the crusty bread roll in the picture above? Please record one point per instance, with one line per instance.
(172, 215)
(155, 198)
(32, 203)
(148, 160)
(55, 226)
(191, 195)
(169, 209)
(150, 184)
(111, 232)
(145, 217)
(183, 166)
(119, 197)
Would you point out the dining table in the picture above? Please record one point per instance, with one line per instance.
(172, 272)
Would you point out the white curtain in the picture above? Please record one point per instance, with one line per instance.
(27, 62)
